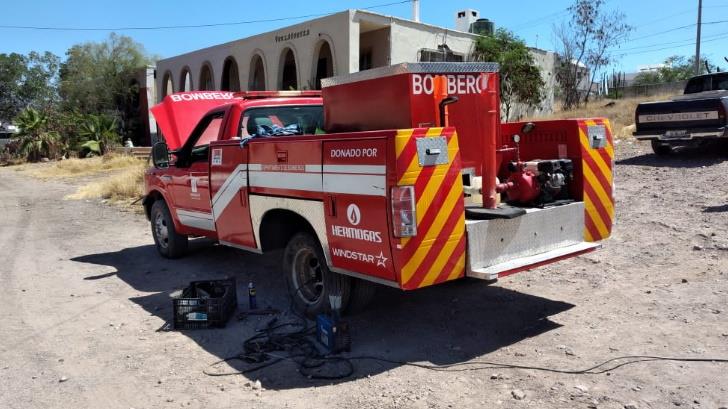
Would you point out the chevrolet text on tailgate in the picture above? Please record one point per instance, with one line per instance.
(401, 175)
(695, 117)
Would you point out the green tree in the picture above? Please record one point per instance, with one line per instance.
(584, 44)
(27, 81)
(99, 132)
(520, 77)
(675, 68)
(97, 78)
(35, 140)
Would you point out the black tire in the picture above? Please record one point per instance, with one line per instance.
(661, 149)
(362, 294)
(169, 242)
(309, 280)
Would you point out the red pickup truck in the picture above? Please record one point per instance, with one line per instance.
(391, 194)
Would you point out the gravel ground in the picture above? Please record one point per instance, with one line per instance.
(85, 299)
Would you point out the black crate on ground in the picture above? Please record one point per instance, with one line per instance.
(205, 304)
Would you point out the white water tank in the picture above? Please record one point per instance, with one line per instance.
(464, 18)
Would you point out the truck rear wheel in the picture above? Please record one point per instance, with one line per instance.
(362, 294)
(661, 148)
(310, 282)
(169, 242)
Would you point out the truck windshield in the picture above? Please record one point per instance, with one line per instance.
(707, 83)
(282, 120)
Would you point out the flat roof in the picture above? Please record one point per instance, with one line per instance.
(351, 12)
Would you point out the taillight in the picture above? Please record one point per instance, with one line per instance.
(404, 215)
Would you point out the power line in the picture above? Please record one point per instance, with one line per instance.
(679, 28)
(687, 41)
(187, 26)
(672, 47)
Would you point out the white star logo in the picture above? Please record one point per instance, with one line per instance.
(381, 260)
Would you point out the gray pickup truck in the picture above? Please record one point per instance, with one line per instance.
(696, 116)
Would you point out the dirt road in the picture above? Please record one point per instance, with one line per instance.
(84, 294)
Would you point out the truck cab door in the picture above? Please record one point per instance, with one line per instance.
(229, 185)
(190, 183)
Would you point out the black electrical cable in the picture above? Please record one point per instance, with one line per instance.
(601, 368)
(300, 348)
(594, 370)
(297, 344)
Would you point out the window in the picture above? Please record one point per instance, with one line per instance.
(696, 85)
(306, 120)
(720, 82)
(211, 132)
(197, 146)
(713, 82)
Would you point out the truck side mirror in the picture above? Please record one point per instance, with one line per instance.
(160, 155)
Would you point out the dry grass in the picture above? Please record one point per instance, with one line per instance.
(123, 187)
(620, 113)
(83, 167)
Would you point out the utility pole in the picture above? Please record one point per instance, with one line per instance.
(697, 41)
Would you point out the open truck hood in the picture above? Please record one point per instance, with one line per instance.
(178, 114)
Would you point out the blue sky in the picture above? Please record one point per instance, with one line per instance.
(657, 22)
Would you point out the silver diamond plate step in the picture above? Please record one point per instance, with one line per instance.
(501, 245)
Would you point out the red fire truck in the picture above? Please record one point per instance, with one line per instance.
(401, 175)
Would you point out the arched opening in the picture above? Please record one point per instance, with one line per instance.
(185, 80)
(288, 73)
(324, 64)
(256, 79)
(230, 79)
(206, 79)
(167, 84)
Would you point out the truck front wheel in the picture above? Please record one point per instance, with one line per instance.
(310, 282)
(661, 148)
(169, 242)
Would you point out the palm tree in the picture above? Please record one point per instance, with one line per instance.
(100, 133)
(34, 140)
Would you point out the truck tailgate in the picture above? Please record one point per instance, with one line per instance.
(680, 114)
(502, 246)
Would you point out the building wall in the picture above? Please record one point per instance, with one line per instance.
(546, 61)
(303, 39)
(410, 38)
(392, 41)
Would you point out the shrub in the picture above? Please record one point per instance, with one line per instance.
(35, 140)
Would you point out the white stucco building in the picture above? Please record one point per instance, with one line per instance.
(300, 55)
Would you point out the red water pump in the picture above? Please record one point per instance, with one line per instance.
(537, 182)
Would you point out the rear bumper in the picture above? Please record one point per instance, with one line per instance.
(681, 135)
(500, 247)
(509, 267)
